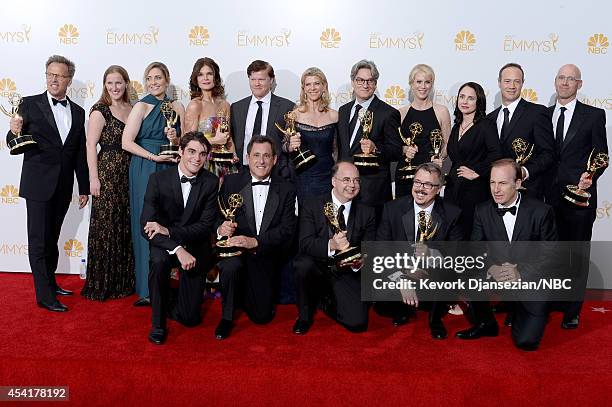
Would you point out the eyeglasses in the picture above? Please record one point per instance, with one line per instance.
(428, 186)
(347, 180)
(264, 156)
(55, 76)
(361, 81)
(570, 79)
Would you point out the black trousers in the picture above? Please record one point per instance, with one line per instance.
(44, 222)
(260, 279)
(312, 279)
(188, 307)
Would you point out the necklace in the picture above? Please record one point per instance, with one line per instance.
(464, 129)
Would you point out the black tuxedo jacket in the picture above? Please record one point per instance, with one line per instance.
(315, 231)
(587, 131)
(278, 107)
(398, 221)
(531, 122)
(279, 220)
(190, 226)
(375, 184)
(52, 164)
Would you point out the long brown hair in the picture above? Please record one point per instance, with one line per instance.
(105, 97)
(194, 89)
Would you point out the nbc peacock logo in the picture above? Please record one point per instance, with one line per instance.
(135, 90)
(73, 248)
(330, 38)
(199, 36)
(465, 41)
(395, 95)
(598, 44)
(68, 34)
(529, 95)
(7, 87)
(9, 195)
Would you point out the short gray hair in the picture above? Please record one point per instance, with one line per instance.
(431, 168)
(365, 64)
(58, 59)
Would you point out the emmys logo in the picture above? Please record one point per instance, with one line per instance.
(330, 38)
(449, 100)
(342, 96)
(132, 38)
(7, 87)
(394, 95)
(602, 103)
(68, 35)
(604, 211)
(14, 249)
(245, 39)
(73, 248)
(529, 95)
(82, 92)
(18, 37)
(517, 45)
(9, 195)
(415, 41)
(198, 36)
(464, 41)
(135, 90)
(598, 44)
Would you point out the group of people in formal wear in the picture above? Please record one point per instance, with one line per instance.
(258, 208)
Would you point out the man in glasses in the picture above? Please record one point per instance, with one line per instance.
(56, 124)
(315, 271)
(383, 141)
(400, 222)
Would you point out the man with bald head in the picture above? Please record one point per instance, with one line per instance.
(579, 130)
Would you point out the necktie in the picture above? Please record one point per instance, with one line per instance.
(353, 122)
(505, 124)
(191, 180)
(257, 124)
(503, 211)
(61, 102)
(260, 183)
(560, 127)
(340, 217)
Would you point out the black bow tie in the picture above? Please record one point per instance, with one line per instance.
(260, 183)
(191, 180)
(503, 211)
(61, 102)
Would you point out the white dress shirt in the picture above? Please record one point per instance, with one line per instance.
(250, 121)
(510, 219)
(346, 212)
(571, 106)
(364, 106)
(185, 189)
(418, 209)
(260, 196)
(500, 116)
(62, 116)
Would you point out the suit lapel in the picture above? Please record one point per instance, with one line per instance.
(74, 121)
(43, 105)
(356, 146)
(498, 223)
(194, 195)
(272, 114)
(351, 221)
(522, 218)
(247, 199)
(177, 192)
(408, 222)
(272, 203)
(516, 116)
(577, 119)
(438, 217)
(242, 110)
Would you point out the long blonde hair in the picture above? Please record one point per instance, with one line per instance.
(325, 98)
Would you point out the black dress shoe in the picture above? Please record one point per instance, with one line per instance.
(142, 302)
(224, 329)
(60, 291)
(478, 330)
(570, 323)
(509, 319)
(158, 336)
(438, 331)
(528, 347)
(301, 327)
(400, 320)
(55, 307)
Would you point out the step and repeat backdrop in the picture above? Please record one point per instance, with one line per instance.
(462, 41)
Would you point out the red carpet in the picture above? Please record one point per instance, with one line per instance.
(100, 350)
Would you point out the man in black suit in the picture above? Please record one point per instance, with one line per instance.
(518, 118)
(383, 140)
(256, 114)
(400, 222)
(263, 229)
(57, 125)
(178, 217)
(579, 130)
(512, 217)
(314, 268)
